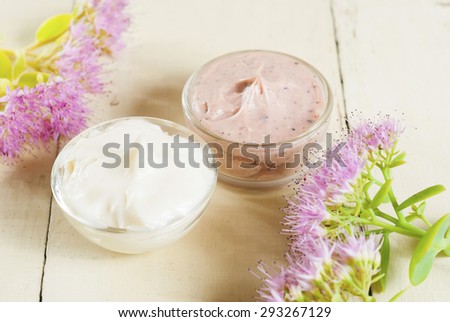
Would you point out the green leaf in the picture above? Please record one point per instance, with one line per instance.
(420, 196)
(431, 244)
(421, 209)
(31, 79)
(412, 217)
(447, 238)
(367, 186)
(381, 194)
(3, 84)
(385, 252)
(53, 27)
(394, 164)
(398, 160)
(400, 157)
(396, 296)
(5, 66)
(19, 65)
(11, 55)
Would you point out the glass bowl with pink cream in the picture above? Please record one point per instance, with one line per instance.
(261, 112)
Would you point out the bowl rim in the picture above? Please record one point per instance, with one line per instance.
(185, 223)
(189, 114)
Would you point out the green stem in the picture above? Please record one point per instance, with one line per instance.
(371, 177)
(376, 181)
(29, 53)
(402, 222)
(392, 198)
(426, 221)
(357, 208)
(389, 227)
(411, 227)
(50, 53)
(36, 45)
(33, 65)
(373, 231)
(384, 215)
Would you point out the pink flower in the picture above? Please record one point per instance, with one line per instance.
(344, 262)
(274, 283)
(79, 59)
(65, 105)
(326, 186)
(359, 248)
(110, 19)
(304, 213)
(294, 282)
(337, 179)
(34, 116)
(326, 270)
(317, 253)
(371, 136)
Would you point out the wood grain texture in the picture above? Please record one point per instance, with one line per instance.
(395, 60)
(25, 204)
(167, 42)
(392, 58)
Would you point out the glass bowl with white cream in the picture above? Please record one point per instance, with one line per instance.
(258, 110)
(134, 184)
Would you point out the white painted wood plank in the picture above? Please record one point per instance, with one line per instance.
(168, 41)
(25, 188)
(25, 204)
(395, 59)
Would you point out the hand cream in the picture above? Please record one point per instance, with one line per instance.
(255, 99)
(248, 95)
(126, 176)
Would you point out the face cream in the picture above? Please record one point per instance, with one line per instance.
(132, 184)
(270, 104)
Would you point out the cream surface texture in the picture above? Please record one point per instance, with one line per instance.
(137, 196)
(244, 96)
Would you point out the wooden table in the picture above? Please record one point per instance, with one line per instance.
(379, 56)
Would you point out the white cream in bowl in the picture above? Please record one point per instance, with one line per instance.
(134, 184)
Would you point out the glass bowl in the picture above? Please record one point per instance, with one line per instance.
(252, 164)
(168, 198)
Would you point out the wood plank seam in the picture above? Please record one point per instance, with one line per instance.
(41, 288)
(338, 54)
(45, 248)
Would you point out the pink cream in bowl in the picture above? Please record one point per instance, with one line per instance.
(258, 109)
